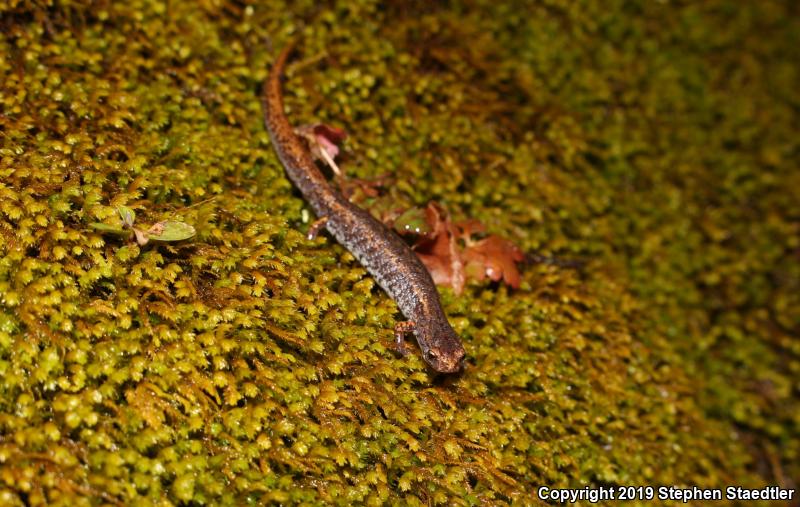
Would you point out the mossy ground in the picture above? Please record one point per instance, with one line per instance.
(658, 141)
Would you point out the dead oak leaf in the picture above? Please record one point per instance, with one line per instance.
(439, 250)
(495, 258)
(454, 253)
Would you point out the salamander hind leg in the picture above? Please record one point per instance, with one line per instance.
(401, 329)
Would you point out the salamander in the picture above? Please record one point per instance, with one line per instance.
(392, 263)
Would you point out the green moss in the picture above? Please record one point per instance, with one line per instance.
(249, 365)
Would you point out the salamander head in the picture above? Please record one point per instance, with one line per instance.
(441, 348)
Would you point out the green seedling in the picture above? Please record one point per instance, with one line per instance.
(412, 221)
(166, 230)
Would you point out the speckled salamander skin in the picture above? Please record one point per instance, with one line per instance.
(379, 249)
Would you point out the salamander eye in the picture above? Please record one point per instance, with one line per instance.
(431, 355)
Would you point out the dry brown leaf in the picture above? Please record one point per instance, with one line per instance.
(439, 250)
(495, 258)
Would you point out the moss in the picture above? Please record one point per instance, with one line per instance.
(250, 365)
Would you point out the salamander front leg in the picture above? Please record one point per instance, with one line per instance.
(316, 226)
(401, 329)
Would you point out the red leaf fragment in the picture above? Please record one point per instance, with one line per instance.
(456, 252)
(323, 142)
(495, 258)
(469, 228)
(438, 250)
(330, 136)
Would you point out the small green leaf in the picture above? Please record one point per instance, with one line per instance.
(114, 229)
(170, 230)
(412, 221)
(127, 215)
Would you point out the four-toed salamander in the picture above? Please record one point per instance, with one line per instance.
(380, 250)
